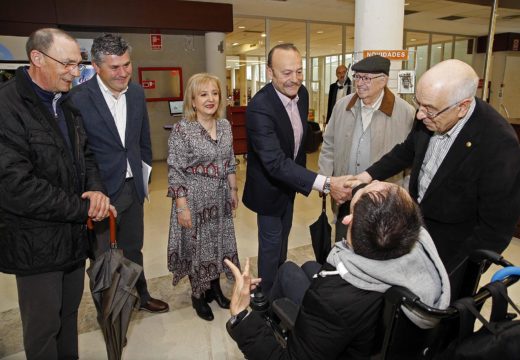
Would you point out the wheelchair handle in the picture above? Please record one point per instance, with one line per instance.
(505, 272)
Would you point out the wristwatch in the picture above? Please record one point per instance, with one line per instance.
(326, 186)
(236, 319)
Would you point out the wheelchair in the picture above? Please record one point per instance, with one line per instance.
(396, 336)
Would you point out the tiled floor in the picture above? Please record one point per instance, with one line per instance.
(179, 334)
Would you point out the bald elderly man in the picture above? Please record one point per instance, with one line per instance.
(465, 160)
(338, 89)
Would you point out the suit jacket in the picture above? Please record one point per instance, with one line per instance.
(104, 139)
(473, 200)
(273, 174)
(335, 321)
(333, 91)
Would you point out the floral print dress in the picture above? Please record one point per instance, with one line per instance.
(198, 170)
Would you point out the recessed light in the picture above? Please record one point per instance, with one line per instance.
(320, 32)
(241, 27)
(340, 44)
(439, 47)
(413, 39)
(263, 35)
(280, 41)
(406, 4)
(234, 44)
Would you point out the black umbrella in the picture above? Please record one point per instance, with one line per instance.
(112, 282)
(321, 234)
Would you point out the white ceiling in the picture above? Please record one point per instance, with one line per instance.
(325, 36)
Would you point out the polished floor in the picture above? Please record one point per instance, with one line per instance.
(178, 334)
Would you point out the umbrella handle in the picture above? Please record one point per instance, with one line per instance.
(112, 221)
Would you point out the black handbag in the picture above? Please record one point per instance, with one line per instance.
(498, 338)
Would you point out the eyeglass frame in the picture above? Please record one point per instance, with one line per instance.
(68, 66)
(357, 77)
(430, 115)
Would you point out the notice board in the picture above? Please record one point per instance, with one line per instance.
(161, 83)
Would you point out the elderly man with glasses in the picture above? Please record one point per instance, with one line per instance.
(50, 185)
(465, 160)
(363, 127)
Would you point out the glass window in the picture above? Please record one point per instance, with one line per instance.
(422, 60)
(245, 59)
(461, 50)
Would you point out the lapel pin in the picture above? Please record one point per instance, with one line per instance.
(468, 144)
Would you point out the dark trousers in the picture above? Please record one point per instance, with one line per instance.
(130, 232)
(293, 281)
(273, 238)
(49, 310)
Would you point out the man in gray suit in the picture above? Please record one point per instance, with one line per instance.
(116, 122)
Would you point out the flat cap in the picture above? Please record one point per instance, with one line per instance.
(375, 64)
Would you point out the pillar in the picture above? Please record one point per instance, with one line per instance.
(379, 26)
(216, 57)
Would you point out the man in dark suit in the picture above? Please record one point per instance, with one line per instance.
(338, 89)
(465, 161)
(276, 123)
(116, 122)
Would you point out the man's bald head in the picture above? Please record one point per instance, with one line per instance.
(453, 78)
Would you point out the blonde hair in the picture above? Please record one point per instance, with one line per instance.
(195, 84)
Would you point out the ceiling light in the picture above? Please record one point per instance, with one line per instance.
(413, 39)
(263, 35)
(280, 41)
(320, 32)
(234, 44)
(241, 27)
(439, 47)
(406, 4)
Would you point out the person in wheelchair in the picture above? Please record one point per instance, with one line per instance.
(386, 245)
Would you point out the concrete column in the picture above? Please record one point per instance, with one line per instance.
(216, 57)
(379, 26)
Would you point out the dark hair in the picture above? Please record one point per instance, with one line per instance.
(386, 224)
(285, 46)
(108, 44)
(43, 39)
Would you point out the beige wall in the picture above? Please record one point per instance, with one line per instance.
(176, 51)
(498, 65)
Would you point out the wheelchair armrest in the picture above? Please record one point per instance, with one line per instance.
(479, 255)
(287, 311)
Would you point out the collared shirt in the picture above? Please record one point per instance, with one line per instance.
(437, 150)
(117, 106)
(291, 106)
(342, 90)
(367, 111)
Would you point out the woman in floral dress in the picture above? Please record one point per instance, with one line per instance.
(203, 186)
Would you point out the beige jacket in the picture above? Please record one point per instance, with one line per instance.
(390, 125)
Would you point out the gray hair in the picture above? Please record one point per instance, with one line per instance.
(42, 39)
(108, 44)
(467, 88)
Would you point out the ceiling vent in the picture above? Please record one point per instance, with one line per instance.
(410, 12)
(452, 18)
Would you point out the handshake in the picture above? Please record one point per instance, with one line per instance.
(341, 186)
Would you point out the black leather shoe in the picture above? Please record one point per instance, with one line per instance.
(155, 306)
(202, 308)
(215, 293)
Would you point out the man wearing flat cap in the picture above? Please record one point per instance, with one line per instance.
(363, 127)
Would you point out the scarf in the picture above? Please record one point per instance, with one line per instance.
(421, 271)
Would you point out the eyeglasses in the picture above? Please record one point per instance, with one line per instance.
(366, 79)
(428, 113)
(68, 66)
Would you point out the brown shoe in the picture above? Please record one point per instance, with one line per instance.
(155, 306)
